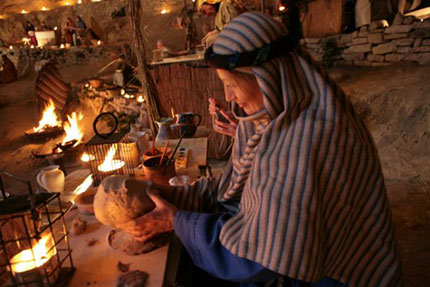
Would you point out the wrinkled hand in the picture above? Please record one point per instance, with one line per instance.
(228, 129)
(209, 38)
(159, 220)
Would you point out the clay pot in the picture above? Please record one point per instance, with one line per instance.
(159, 174)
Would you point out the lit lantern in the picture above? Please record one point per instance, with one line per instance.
(34, 239)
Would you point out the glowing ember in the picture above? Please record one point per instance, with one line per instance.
(49, 118)
(110, 164)
(87, 157)
(72, 129)
(25, 261)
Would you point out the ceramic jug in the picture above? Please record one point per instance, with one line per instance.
(51, 178)
(188, 123)
(164, 130)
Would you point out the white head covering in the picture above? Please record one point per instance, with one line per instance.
(312, 197)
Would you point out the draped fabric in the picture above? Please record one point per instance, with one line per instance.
(312, 198)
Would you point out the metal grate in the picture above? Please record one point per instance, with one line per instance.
(120, 150)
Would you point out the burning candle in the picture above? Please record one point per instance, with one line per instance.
(164, 11)
(67, 4)
(32, 46)
(110, 164)
(140, 99)
(23, 12)
(99, 43)
(55, 28)
(281, 8)
(11, 47)
(86, 157)
(44, 8)
(79, 1)
(62, 46)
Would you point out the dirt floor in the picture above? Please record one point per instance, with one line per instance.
(393, 101)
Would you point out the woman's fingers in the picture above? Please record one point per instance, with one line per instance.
(228, 117)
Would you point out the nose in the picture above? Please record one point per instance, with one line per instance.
(229, 95)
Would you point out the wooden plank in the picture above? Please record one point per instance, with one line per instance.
(322, 18)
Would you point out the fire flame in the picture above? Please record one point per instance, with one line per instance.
(49, 118)
(25, 261)
(110, 164)
(72, 130)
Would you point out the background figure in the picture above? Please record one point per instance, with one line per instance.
(31, 33)
(362, 13)
(81, 29)
(70, 32)
(224, 11)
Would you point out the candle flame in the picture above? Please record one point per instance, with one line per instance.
(44, 8)
(49, 118)
(140, 99)
(86, 157)
(62, 46)
(72, 130)
(25, 260)
(110, 164)
(164, 11)
(99, 43)
(23, 12)
(83, 186)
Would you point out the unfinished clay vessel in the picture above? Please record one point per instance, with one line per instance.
(120, 199)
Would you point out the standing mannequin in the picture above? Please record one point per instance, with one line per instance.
(362, 13)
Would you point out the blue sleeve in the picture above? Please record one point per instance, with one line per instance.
(199, 233)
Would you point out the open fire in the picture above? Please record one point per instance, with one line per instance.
(25, 261)
(49, 118)
(71, 127)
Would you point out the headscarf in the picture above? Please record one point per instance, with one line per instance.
(312, 198)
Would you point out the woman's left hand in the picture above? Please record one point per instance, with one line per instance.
(159, 220)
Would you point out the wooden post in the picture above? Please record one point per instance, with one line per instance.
(135, 9)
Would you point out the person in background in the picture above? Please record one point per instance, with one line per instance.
(223, 11)
(31, 33)
(302, 201)
(70, 32)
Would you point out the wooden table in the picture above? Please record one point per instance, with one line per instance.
(97, 265)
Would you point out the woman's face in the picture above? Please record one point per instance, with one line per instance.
(245, 93)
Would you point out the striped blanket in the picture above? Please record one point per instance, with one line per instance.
(312, 198)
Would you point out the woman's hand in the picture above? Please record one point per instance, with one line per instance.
(221, 127)
(159, 220)
(209, 38)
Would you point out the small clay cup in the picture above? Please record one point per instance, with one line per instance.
(159, 174)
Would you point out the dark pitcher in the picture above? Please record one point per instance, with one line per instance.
(187, 123)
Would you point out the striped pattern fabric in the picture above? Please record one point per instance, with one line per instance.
(311, 194)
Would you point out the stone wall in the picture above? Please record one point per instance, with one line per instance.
(379, 44)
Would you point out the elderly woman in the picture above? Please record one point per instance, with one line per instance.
(303, 202)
